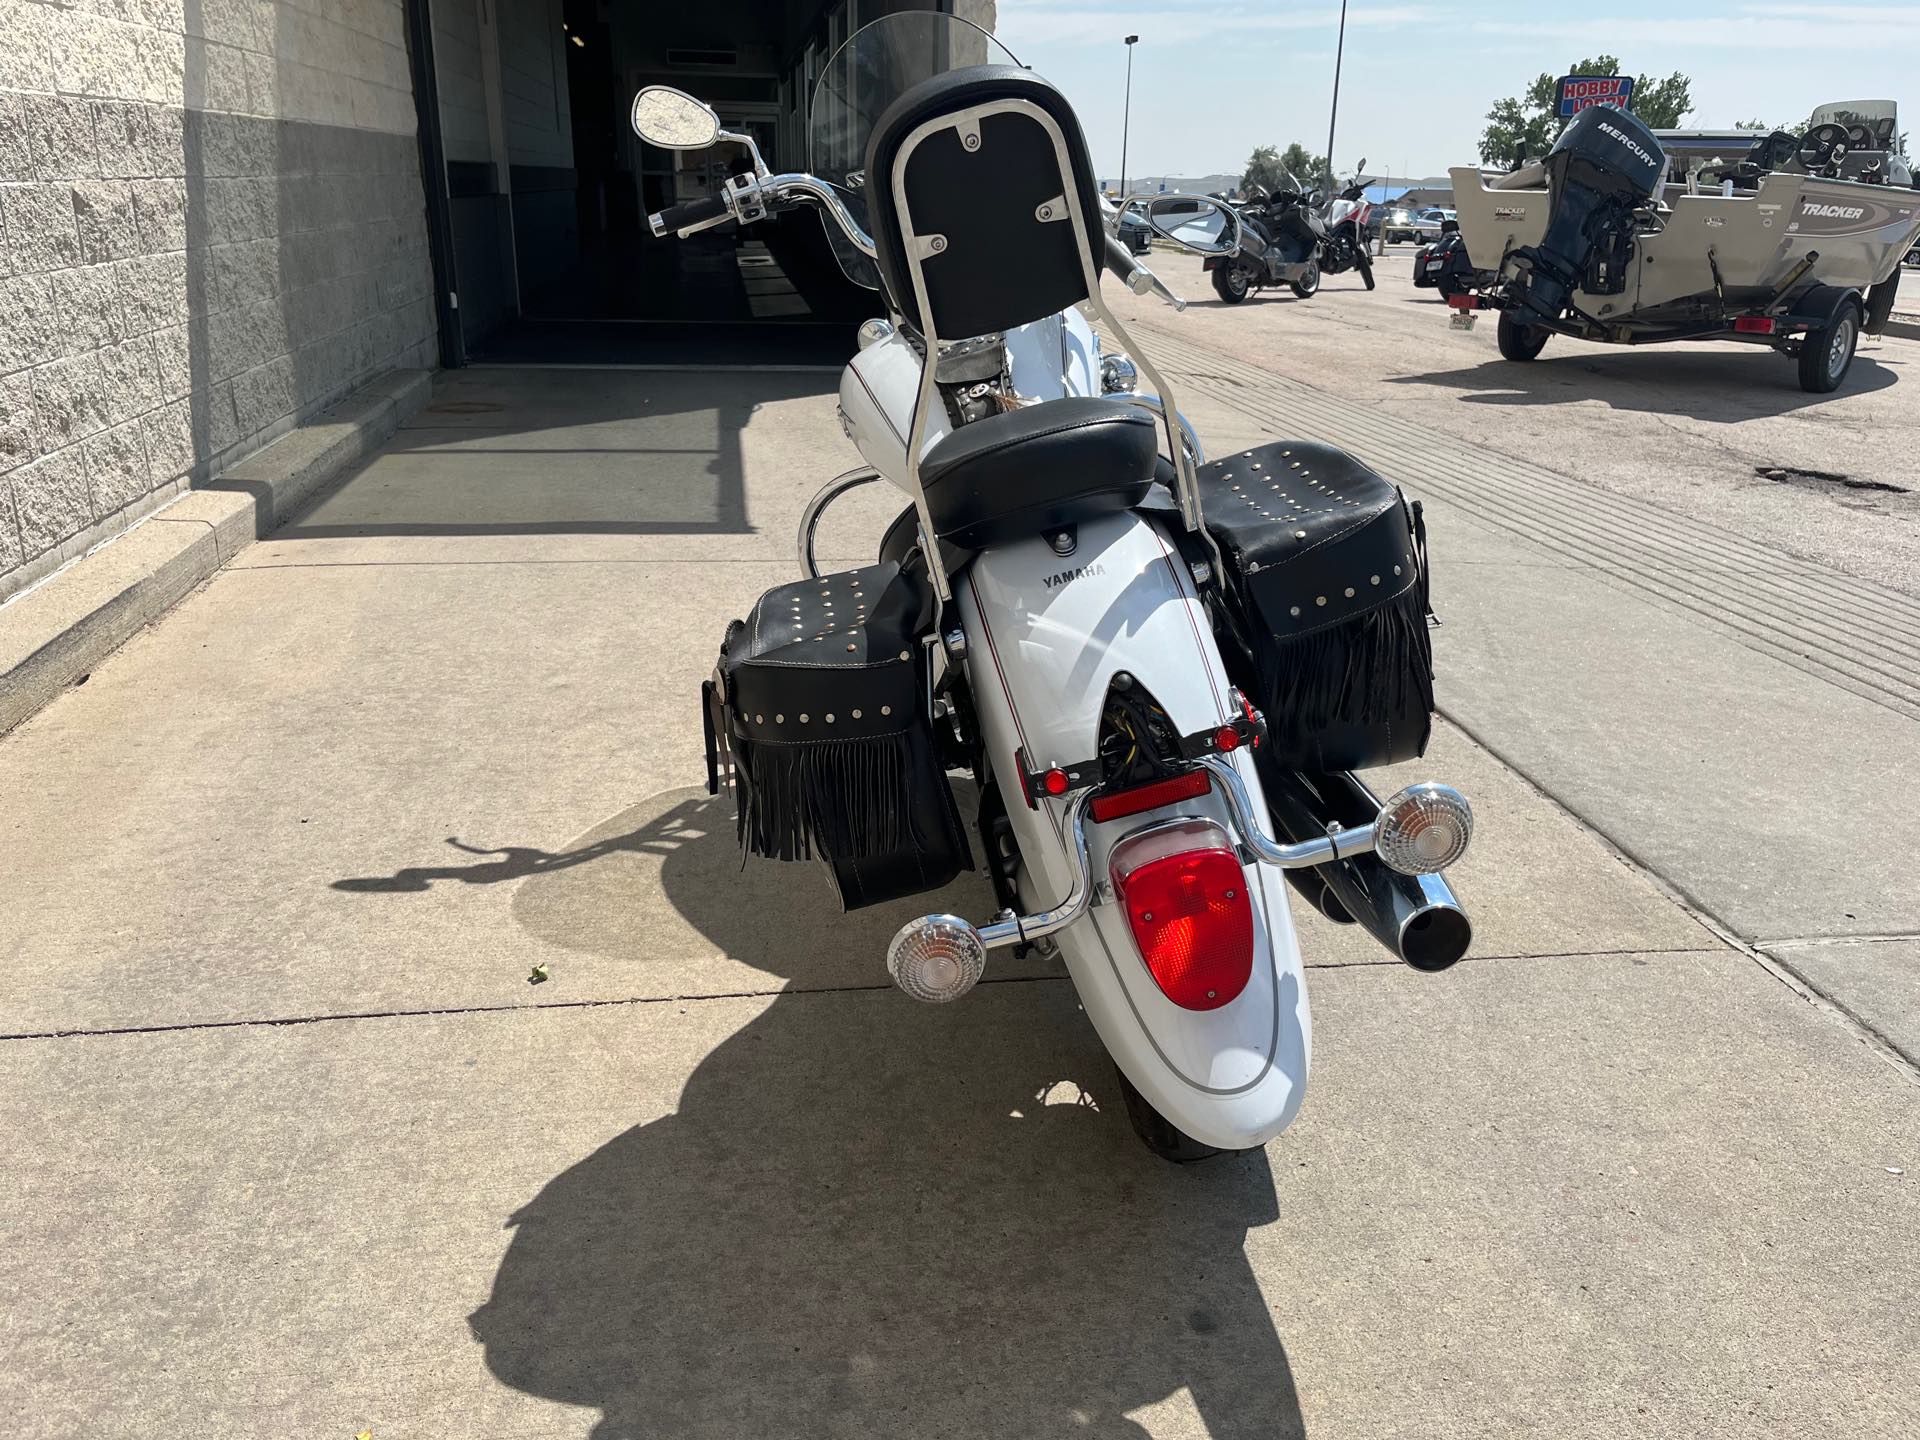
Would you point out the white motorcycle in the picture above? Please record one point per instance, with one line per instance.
(1159, 672)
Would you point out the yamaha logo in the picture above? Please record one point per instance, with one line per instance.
(1054, 582)
(1628, 141)
(1833, 212)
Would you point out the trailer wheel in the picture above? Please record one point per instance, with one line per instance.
(1827, 353)
(1230, 283)
(1519, 340)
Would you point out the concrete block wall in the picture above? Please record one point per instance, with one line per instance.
(211, 226)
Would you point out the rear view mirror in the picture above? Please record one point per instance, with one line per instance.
(673, 119)
(1198, 222)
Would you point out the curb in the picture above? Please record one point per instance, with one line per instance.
(56, 633)
(1904, 329)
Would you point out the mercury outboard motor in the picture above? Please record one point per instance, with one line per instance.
(1604, 166)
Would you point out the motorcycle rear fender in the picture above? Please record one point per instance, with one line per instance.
(1046, 634)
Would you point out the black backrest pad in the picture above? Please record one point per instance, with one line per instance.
(1002, 265)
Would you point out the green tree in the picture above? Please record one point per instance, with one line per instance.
(1531, 120)
(1263, 169)
(1269, 168)
(1302, 162)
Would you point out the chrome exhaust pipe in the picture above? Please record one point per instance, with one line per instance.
(1312, 888)
(1417, 917)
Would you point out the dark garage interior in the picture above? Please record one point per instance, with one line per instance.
(547, 187)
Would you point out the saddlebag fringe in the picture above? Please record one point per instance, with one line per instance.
(1323, 609)
(1326, 689)
(818, 714)
(841, 797)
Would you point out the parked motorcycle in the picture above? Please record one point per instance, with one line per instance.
(1160, 673)
(1346, 244)
(1445, 265)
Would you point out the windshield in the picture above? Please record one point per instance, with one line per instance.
(878, 64)
(1856, 112)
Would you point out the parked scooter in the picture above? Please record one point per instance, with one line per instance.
(1160, 673)
(1291, 239)
(1280, 239)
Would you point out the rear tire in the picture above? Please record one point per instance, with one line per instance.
(1519, 340)
(1827, 353)
(1159, 1134)
(1308, 285)
(1230, 283)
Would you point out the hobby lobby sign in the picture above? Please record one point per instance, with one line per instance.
(1582, 92)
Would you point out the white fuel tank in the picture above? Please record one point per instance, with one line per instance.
(877, 392)
(1053, 357)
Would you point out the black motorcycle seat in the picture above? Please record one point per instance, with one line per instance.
(1038, 468)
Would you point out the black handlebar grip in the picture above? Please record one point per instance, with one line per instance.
(677, 217)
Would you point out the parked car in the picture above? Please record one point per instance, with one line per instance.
(1422, 224)
(1133, 230)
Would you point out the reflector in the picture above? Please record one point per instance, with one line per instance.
(1150, 796)
(936, 958)
(1423, 829)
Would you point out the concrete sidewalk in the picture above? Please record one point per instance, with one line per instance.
(289, 1145)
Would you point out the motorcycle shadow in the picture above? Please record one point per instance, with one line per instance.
(870, 1217)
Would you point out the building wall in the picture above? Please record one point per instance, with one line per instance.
(211, 225)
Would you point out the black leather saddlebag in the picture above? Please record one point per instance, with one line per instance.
(1326, 616)
(817, 713)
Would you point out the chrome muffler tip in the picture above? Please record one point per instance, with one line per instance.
(936, 958)
(1423, 829)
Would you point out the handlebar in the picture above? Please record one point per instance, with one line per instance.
(750, 197)
(1120, 260)
(1137, 277)
(676, 219)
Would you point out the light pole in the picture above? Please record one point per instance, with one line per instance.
(1334, 113)
(1126, 114)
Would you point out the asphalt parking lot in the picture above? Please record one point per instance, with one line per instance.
(1690, 426)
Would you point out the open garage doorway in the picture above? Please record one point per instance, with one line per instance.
(548, 188)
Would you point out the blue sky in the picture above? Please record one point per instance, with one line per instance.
(1212, 79)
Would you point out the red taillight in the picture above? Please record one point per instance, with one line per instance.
(1226, 739)
(1460, 301)
(1151, 796)
(1753, 324)
(1056, 781)
(1185, 898)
